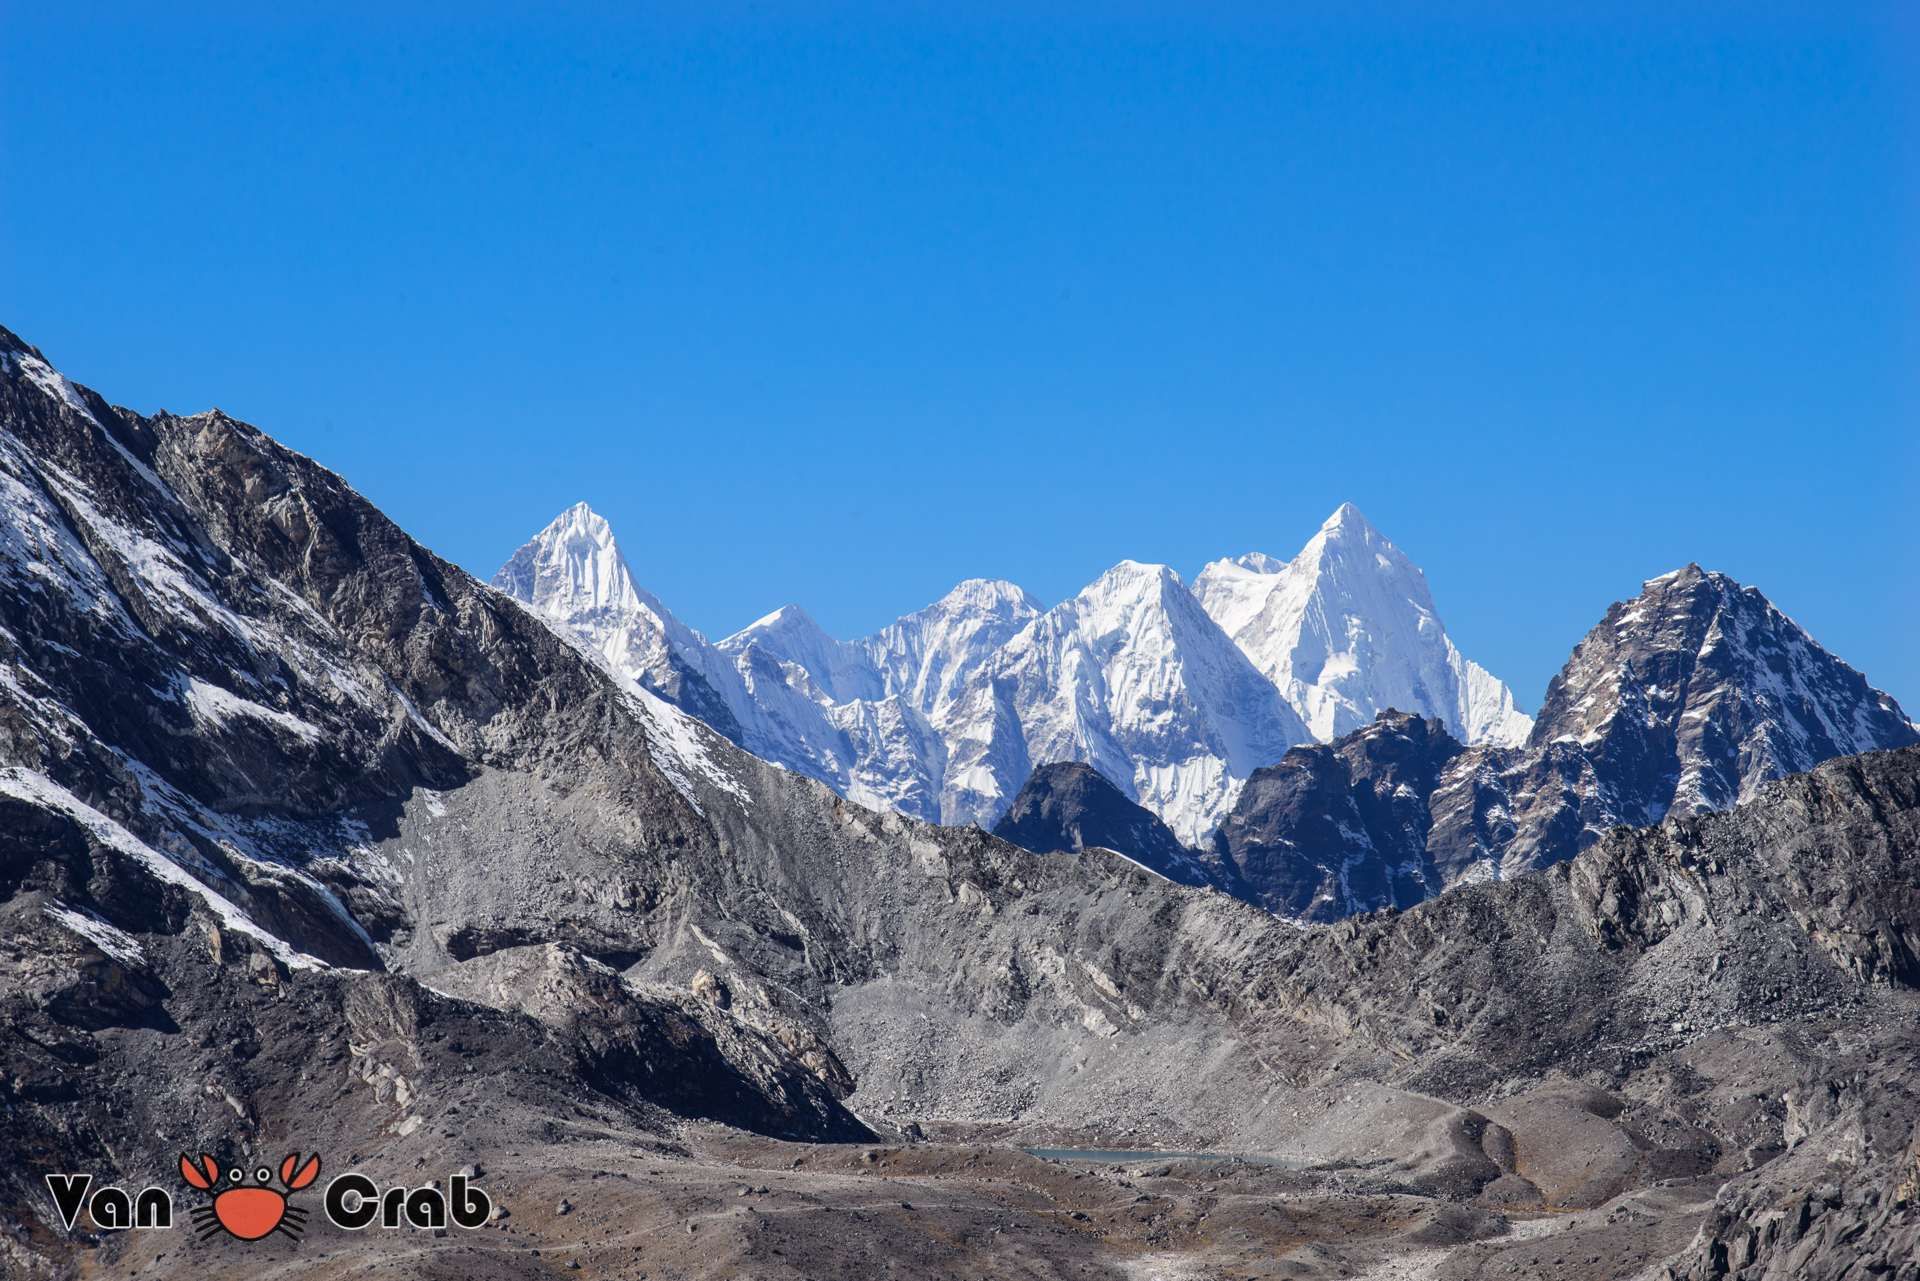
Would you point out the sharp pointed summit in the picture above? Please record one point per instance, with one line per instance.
(573, 574)
(1347, 514)
(1348, 629)
(1698, 691)
(574, 565)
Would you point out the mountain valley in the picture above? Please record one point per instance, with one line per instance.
(314, 842)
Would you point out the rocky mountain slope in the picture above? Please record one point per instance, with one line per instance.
(313, 841)
(1694, 694)
(1684, 700)
(1342, 828)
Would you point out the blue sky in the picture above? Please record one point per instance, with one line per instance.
(840, 305)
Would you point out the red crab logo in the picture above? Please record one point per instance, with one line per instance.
(250, 1212)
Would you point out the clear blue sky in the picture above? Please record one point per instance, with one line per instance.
(841, 305)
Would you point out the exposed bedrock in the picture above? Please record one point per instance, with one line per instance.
(1071, 806)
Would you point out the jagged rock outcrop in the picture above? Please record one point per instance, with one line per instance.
(1862, 1220)
(668, 1045)
(1683, 700)
(1070, 806)
(1341, 828)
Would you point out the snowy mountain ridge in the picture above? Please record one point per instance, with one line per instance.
(927, 656)
(1175, 694)
(1132, 677)
(1687, 699)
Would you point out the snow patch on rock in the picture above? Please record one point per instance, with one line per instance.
(37, 789)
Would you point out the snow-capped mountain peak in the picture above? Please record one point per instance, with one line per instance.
(838, 669)
(1132, 677)
(1259, 563)
(573, 571)
(926, 657)
(573, 566)
(573, 574)
(1348, 629)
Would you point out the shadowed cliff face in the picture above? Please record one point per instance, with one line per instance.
(1070, 806)
(1340, 828)
(362, 850)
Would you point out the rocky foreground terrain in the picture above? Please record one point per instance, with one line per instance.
(309, 841)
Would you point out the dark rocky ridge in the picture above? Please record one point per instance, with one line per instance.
(477, 792)
(1071, 806)
(1694, 694)
(1340, 828)
(1684, 700)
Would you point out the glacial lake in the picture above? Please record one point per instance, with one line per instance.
(1135, 1156)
